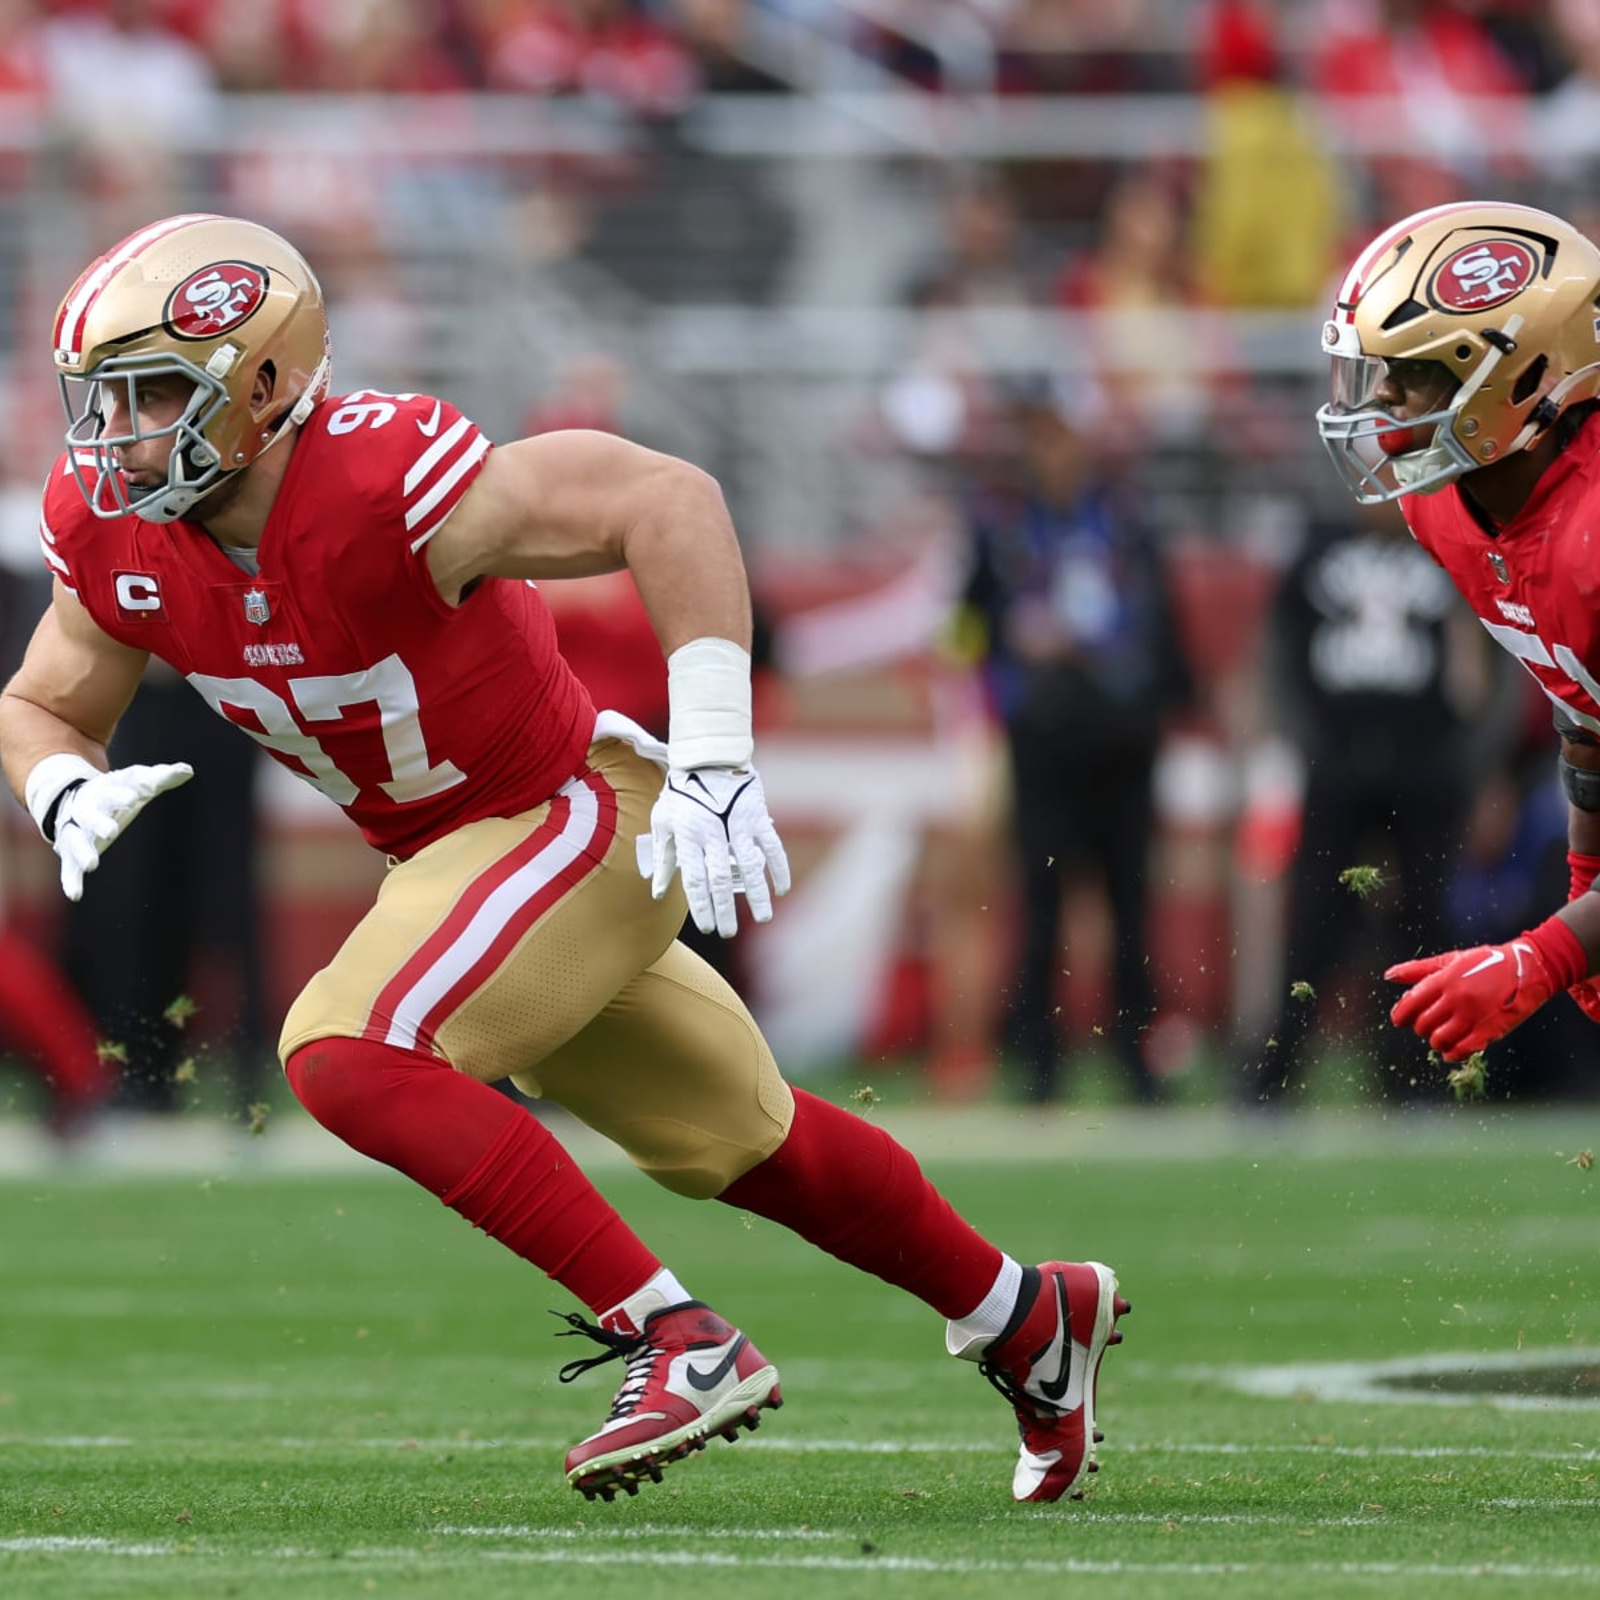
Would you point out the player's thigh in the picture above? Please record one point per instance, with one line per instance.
(675, 1071)
(496, 944)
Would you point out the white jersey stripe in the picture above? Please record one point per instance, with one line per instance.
(52, 560)
(463, 464)
(73, 313)
(500, 910)
(436, 452)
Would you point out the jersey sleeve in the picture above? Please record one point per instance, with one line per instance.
(60, 511)
(417, 455)
(409, 460)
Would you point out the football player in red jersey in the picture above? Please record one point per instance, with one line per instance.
(350, 580)
(1465, 346)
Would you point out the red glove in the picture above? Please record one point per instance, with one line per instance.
(1583, 870)
(1462, 1001)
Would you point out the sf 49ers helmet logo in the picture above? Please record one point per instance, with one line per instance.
(1482, 275)
(214, 299)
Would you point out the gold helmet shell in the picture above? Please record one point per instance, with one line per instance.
(1502, 299)
(218, 301)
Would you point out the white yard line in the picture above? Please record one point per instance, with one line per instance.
(997, 1447)
(690, 1560)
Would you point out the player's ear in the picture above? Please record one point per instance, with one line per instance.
(261, 390)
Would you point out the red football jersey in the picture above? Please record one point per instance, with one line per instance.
(340, 656)
(1536, 587)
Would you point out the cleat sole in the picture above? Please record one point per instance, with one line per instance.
(603, 1477)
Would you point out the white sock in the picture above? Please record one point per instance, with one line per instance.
(630, 1315)
(969, 1336)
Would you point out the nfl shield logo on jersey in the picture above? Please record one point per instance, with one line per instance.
(257, 608)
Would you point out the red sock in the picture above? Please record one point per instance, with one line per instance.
(481, 1153)
(42, 1016)
(851, 1190)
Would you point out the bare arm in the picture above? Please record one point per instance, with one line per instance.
(575, 503)
(72, 687)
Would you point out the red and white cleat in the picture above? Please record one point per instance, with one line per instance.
(690, 1376)
(1047, 1364)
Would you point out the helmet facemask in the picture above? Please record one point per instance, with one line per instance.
(193, 469)
(1382, 457)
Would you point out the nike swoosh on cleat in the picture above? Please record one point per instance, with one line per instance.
(713, 1376)
(1053, 1389)
(431, 426)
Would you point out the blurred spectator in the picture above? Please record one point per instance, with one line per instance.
(983, 259)
(608, 49)
(378, 331)
(1085, 667)
(938, 406)
(1416, 75)
(43, 1020)
(1267, 202)
(44, 1024)
(1401, 710)
(118, 75)
(1136, 287)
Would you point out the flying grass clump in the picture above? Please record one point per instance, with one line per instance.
(179, 1012)
(1470, 1078)
(1301, 990)
(1362, 880)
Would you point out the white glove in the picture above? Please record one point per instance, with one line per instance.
(711, 824)
(81, 810)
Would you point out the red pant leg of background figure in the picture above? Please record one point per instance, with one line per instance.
(42, 1018)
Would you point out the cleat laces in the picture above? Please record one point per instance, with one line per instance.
(1015, 1393)
(634, 1350)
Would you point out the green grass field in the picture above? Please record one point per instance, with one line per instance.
(244, 1380)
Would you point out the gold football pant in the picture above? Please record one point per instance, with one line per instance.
(529, 947)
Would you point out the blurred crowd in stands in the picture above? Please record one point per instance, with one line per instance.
(656, 55)
(1048, 531)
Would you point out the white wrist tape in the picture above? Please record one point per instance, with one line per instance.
(708, 699)
(46, 779)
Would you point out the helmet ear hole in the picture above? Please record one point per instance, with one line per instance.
(1529, 379)
(264, 387)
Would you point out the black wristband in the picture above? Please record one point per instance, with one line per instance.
(47, 825)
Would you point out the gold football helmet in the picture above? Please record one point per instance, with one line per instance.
(216, 301)
(1501, 299)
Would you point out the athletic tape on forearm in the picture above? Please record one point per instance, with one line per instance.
(708, 699)
(48, 780)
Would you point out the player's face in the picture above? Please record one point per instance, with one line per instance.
(1408, 389)
(141, 411)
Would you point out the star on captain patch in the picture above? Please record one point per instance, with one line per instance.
(257, 608)
(1498, 562)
